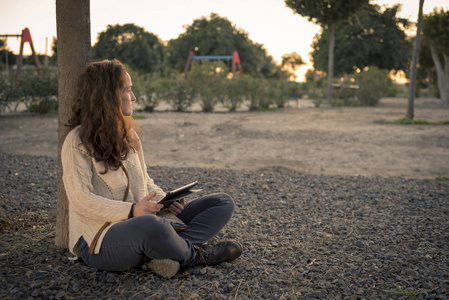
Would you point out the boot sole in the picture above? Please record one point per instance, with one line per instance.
(166, 268)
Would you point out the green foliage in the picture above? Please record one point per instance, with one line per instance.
(54, 49)
(295, 90)
(372, 38)
(279, 92)
(290, 63)
(44, 107)
(264, 93)
(178, 92)
(325, 12)
(401, 292)
(435, 27)
(235, 92)
(207, 79)
(39, 91)
(410, 121)
(435, 31)
(9, 93)
(215, 35)
(256, 91)
(131, 45)
(146, 88)
(315, 86)
(374, 84)
(439, 177)
(139, 117)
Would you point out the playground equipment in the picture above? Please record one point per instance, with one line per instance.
(25, 37)
(235, 61)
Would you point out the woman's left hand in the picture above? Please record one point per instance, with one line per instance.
(177, 206)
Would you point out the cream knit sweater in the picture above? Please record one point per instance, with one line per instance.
(96, 198)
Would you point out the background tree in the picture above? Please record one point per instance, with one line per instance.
(215, 35)
(132, 45)
(6, 54)
(290, 63)
(372, 38)
(54, 50)
(327, 13)
(426, 71)
(435, 29)
(413, 72)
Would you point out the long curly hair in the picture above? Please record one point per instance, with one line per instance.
(105, 132)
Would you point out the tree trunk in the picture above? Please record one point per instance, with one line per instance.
(74, 54)
(412, 88)
(330, 69)
(442, 74)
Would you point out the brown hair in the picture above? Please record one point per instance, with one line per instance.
(106, 133)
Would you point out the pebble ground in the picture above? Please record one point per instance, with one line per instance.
(305, 237)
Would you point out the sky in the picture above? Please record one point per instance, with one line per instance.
(268, 22)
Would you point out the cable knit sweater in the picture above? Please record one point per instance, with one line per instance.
(96, 198)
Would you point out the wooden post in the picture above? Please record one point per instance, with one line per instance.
(74, 54)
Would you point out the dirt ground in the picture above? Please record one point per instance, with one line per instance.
(347, 141)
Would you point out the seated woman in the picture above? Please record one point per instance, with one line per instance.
(113, 224)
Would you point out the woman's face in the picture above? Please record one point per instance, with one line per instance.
(127, 96)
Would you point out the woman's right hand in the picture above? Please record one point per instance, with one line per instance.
(146, 206)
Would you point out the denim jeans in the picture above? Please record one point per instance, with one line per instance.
(128, 243)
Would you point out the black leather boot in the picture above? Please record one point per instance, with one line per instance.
(222, 252)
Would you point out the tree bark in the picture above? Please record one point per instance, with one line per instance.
(330, 69)
(412, 88)
(442, 74)
(74, 54)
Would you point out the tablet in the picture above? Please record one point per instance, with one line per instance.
(178, 194)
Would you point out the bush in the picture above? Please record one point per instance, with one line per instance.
(9, 93)
(257, 92)
(315, 86)
(177, 91)
(235, 92)
(36, 88)
(373, 85)
(44, 107)
(295, 90)
(280, 92)
(207, 79)
(145, 88)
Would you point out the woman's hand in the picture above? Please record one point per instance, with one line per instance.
(177, 206)
(146, 206)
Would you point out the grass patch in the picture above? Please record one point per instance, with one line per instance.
(406, 121)
(139, 117)
(439, 177)
(401, 292)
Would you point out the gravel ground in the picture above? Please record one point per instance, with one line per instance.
(305, 237)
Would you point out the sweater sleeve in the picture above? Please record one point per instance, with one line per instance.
(77, 178)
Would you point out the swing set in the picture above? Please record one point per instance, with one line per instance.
(235, 61)
(25, 37)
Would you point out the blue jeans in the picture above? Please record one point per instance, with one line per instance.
(128, 243)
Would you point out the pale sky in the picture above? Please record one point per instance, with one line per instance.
(268, 22)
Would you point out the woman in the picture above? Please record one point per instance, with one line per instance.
(113, 224)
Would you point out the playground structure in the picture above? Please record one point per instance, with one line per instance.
(235, 61)
(25, 37)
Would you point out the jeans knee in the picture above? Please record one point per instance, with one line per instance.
(151, 227)
(226, 202)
